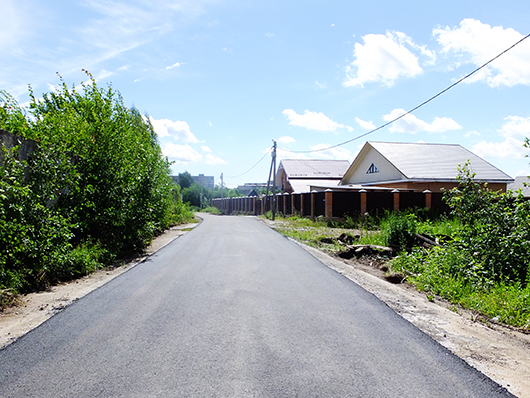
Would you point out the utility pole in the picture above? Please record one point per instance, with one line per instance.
(274, 182)
(222, 196)
(272, 172)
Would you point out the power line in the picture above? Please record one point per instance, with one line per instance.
(258, 162)
(416, 107)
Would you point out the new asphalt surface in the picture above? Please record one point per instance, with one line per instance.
(233, 309)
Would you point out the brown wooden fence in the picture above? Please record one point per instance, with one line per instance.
(333, 203)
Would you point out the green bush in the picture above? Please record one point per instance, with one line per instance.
(212, 210)
(96, 187)
(495, 235)
(399, 230)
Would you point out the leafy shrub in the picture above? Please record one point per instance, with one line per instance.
(211, 210)
(495, 234)
(96, 187)
(399, 230)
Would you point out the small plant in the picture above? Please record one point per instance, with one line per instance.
(400, 230)
(212, 210)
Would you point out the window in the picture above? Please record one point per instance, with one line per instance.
(373, 169)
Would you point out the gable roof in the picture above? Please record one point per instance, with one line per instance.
(429, 162)
(314, 168)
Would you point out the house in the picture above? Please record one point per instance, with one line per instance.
(298, 175)
(418, 167)
(251, 188)
(522, 183)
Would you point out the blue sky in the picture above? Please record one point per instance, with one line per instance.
(221, 79)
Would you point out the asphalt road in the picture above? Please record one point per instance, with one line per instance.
(233, 309)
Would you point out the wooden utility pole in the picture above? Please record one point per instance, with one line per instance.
(272, 171)
(274, 182)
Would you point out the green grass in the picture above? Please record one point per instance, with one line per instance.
(434, 271)
(211, 210)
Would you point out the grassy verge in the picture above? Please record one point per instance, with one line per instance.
(434, 272)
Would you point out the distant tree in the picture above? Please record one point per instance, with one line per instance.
(196, 195)
(185, 180)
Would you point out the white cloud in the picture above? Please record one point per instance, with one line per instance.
(175, 65)
(206, 149)
(516, 126)
(364, 124)
(313, 121)
(286, 140)
(181, 154)
(321, 86)
(384, 58)
(411, 124)
(510, 148)
(269, 34)
(515, 129)
(212, 160)
(476, 43)
(472, 133)
(178, 130)
(103, 74)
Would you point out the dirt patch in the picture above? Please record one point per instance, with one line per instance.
(35, 308)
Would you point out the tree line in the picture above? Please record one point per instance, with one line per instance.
(200, 197)
(95, 188)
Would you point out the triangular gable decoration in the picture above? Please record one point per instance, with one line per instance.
(373, 169)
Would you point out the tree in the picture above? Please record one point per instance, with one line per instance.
(185, 180)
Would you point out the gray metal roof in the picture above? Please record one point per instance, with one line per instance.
(521, 183)
(314, 169)
(436, 161)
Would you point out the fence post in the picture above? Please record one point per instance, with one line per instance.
(396, 199)
(428, 199)
(363, 202)
(285, 194)
(328, 198)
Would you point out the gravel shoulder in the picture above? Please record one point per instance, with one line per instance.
(499, 352)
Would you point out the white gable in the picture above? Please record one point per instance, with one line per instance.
(371, 166)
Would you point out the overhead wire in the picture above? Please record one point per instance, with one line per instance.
(416, 107)
(258, 162)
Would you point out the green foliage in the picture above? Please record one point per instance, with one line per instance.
(196, 195)
(96, 187)
(496, 234)
(399, 230)
(212, 210)
(485, 267)
(185, 180)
